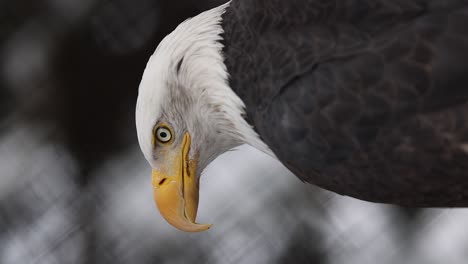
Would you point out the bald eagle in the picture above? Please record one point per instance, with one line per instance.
(366, 98)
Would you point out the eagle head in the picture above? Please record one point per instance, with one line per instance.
(186, 115)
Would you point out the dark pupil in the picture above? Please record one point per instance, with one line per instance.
(163, 134)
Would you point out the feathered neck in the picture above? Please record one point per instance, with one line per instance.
(189, 64)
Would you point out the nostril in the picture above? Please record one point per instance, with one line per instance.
(162, 181)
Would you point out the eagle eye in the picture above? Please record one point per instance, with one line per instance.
(163, 134)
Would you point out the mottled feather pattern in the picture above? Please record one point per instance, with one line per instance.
(367, 98)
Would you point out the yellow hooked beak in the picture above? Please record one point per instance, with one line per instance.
(176, 190)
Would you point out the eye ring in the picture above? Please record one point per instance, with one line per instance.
(163, 134)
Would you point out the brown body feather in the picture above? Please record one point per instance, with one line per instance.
(367, 98)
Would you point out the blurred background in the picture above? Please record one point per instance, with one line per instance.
(74, 187)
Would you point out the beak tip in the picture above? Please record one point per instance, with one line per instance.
(192, 227)
(200, 227)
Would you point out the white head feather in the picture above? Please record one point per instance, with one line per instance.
(185, 83)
